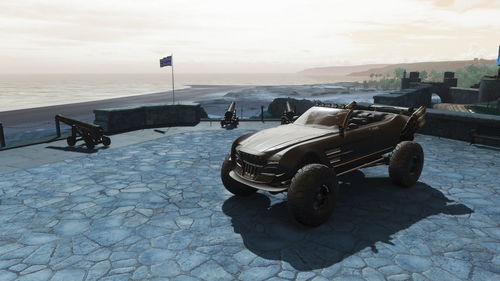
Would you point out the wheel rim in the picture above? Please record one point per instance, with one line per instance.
(321, 198)
(414, 164)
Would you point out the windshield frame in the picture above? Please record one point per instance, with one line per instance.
(323, 118)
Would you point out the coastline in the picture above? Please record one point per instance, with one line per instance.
(29, 124)
(80, 109)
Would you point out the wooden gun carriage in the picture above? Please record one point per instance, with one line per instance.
(91, 134)
(230, 118)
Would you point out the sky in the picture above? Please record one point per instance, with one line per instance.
(233, 36)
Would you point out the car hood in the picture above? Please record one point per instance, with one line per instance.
(281, 137)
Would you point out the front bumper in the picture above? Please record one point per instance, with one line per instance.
(260, 186)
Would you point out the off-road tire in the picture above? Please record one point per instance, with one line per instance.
(406, 163)
(233, 186)
(312, 194)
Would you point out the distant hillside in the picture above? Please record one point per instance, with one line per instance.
(388, 69)
(419, 66)
(340, 70)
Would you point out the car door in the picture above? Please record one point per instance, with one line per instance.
(362, 144)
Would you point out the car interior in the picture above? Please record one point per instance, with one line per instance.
(361, 118)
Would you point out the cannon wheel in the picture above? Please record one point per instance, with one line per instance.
(71, 140)
(106, 140)
(89, 145)
(89, 142)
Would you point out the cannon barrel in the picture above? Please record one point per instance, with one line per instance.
(288, 107)
(71, 122)
(230, 117)
(231, 107)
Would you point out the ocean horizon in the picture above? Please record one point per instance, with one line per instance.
(21, 91)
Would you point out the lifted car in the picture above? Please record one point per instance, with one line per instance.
(305, 157)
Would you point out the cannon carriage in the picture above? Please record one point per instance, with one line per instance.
(91, 134)
(288, 115)
(230, 119)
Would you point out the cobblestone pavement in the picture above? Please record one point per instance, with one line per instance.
(158, 210)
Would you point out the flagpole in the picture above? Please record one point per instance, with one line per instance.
(173, 88)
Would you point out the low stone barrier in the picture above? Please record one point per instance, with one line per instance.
(459, 125)
(411, 97)
(464, 95)
(114, 120)
(455, 125)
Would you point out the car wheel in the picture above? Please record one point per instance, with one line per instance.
(312, 194)
(406, 163)
(232, 185)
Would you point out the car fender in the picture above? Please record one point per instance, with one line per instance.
(238, 140)
(298, 156)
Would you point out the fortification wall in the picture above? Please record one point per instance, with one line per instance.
(464, 95)
(114, 120)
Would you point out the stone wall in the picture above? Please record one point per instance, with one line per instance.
(464, 95)
(411, 97)
(454, 125)
(489, 89)
(114, 120)
(458, 125)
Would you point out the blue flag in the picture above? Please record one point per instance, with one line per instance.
(498, 60)
(166, 61)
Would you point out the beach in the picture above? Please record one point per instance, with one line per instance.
(16, 121)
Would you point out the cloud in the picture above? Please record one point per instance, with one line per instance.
(464, 5)
(225, 34)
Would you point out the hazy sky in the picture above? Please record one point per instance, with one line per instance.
(110, 36)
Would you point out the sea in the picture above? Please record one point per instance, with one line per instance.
(21, 91)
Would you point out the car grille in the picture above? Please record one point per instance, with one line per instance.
(249, 169)
(250, 164)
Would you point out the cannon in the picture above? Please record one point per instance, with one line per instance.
(230, 118)
(91, 134)
(289, 114)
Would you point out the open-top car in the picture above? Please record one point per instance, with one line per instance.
(305, 157)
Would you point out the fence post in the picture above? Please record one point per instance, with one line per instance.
(2, 136)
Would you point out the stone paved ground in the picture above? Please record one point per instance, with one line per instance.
(157, 210)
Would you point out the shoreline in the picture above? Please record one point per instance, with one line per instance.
(187, 87)
(38, 122)
(18, 120)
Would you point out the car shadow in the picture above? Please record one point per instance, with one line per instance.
(368, 211)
